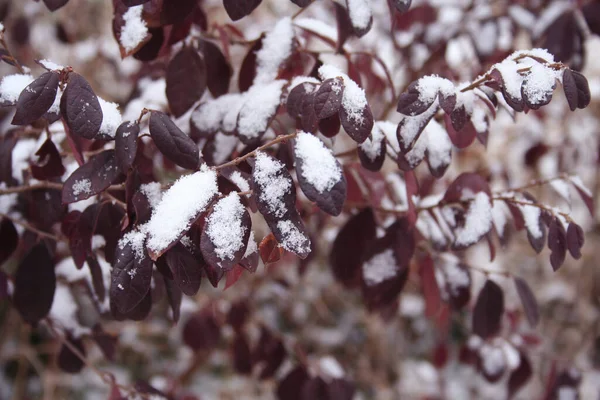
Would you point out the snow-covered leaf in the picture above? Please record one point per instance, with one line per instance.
(131, 275)
(91, 178)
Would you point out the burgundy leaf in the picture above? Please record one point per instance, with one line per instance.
(308, 117)
(201, 331)
(575, 240)
(80, 107)
(290, 387)
(359, 130)
(344, 25)
(401, 5)
(97, 277)
(36, 99)
(150, 46)
(242, 355)
(409, 102)
(328, 98)
(131, 275)
(187, 271)
(296, 98)
(91, 178)
(106, 342)
(271, 351)
(248, 68)
(330, 127)
(54, 5)
(350, 245)
(557, 243)
(463, 138)
(126, 144)
(186, 80)
(172, 142)
(218, 70)
(131, 3)
(174, 296)
(319, 174)
(238, 9)
(34, 284)
(176, 11)
(226, 233)
(214, 274)
(302, 3)
(530, 305)
(472, 182)
(488, 311)
(9, 239)
(429, 285)
(50, 162)
(520, 375)
(238, 315)
(576, 88)
(138, 313)
(67, 360)
(80, 231)
(359, 29)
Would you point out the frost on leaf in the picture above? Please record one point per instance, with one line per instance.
(275, 196)
(179, 207)
(319, 173)
(36, 99)
(478, 221)
(259, 107)
(80, 108)
(226, 232)
(131, 275)
(91, 178)
(355, 114)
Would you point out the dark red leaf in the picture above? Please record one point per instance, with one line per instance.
(575, 240)
(106, 342)
(330, 127)
(344, 25)
(296, 97)
(271, 351)
(308, 117)
(238, 9)
(359, 130)
(131, 276)
(520, 375)
(54, 5)
(328, 98)
(401, 5)
(175, 12)
(409, 103)
(290, 387)
(488, 311)
(49, 163)
(349, 246)
(91, 178)
(36, 99)
(248, 67)
(201, 331)
(214, 274)
(126, 144)
(34, 284)
(470, 181)
(187, 271)
(67, 360)
(242, 356)
(576, 88)
(530, 305)
(150, 48)
(431, 291)
(269, 249)
(557, 243)
(80, 107)
(218, 70)
(9, 239)
(172, 142)
(97, 277)
(186, 80)
(174, 297)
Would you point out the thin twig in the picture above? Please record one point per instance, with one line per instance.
(46, 185)
(265, 146)
(31, 227)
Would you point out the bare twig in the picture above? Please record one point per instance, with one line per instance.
(273, 142)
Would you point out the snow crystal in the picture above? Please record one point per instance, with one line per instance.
(11, 87)
(135, 239)
(223, 147)
(389, 131)
(456, 277)
(134, 29)
(354, 100)
(439, 146)
(260, 106)
(492, 358)
(319, 166)
(478, 221)
(511, 78)
(224, 226)
(188, 197)
(412, 124)
(132, 273)
(293, 240)
(267, 174)
(50, 65)
(372, 146)
(241, 182)
(429, 86)
(317, 26)
(276, 48)
(531, 215)
(252, 247)
(111, 117)
(499, 216)
(360, 13)
(82, 186)
(575, 180)
(540, 81)
(380, 267)
(331, 367)
(153, 192)
(208, 117)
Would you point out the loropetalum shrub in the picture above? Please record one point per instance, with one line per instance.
(285, 137)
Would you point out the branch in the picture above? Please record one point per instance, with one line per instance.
(265, 146)
(46, 185)
(31, 228)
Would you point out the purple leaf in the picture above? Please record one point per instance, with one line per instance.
(91, 178)
(290, 387)
(328, 99)
(270, 351)
(319, 174)
(67, 360)
(218, 70)
(358, 127)
(297, 96)
(126, 144)
(557, 243)
(330, 127)
(80, 107)
(34, 284)
(520, 375)
(488, 311)
(187, 271)
(469, 181)
(9, 239)
(576, 88)
(242, 355)
(51, 165)
(54, 5)
(530, 305)
(185, 80)
(344, 25)
(201, 331)
(36, 99)
(248, 68)
(238, 9)
(409, 102)
(174, 296)
(575, 240)
(131, 276)
(172, 142)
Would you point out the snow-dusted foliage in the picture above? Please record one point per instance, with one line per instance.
(299, 199)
